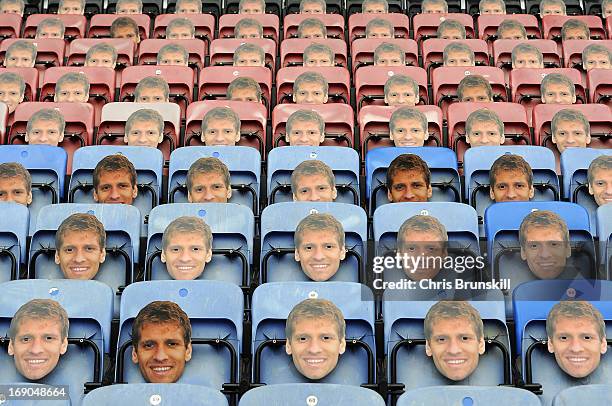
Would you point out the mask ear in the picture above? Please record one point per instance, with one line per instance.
(588, 139)
(296, 255)
(531, 192)
(491, 194)
(208, 256)
(125, 139)
(551, 348)
(229, 193)
(134, 356)
(29, 201)
(11, 350)
(61, 138)
(134, 192)
(57, 258)
(334, 193)
(428, 349)
(481, 346)
(64, 346)
(322, 138)
(343, 253)
(342, 347)
(604, 346)
(288, 347)
(523, 254)
(325, 98)
(188, 352)
(163, 257)
(102, 255)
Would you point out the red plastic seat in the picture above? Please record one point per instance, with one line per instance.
(488, 24)
(502, 52)
(370, 83)
(572, 51)
(50, 51)
(445, 81)
(514, 117)
(426, 25)
(77, 50)
(74, 25)
(30, 77)
(214, 80)
(269, 22)
(338, 79)
(374, 126)
(204, 26)
(551, 26)
(599, 116)
(357, 24)
(362, 51)
(149, 48)
(114, 116)
(180, 80)
(10, 26)
(600, 86)
(292, 50)
(433, 51)
(252, 122)
(101, 85)
(100, 25)
(222, 50)
(333, 22)
(338, 118)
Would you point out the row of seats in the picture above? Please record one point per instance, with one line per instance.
(222, 341)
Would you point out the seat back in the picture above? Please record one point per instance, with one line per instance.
(502, 52)
(600, 91)
(433, 52)
(100, 24)
(196, 48)
(146, 392)
(370, 83)
(307, 393)
(272, 303)
(214, 80)
(572, 51)
(467, 394)
(74, 25)
(269, 22)
(338, 79)
(29, 76)
(50, 51)
(551, 25)
(10, 25)
(77, 50)
(334, 23)
(489, 23)
(362, 51)
(13, 237)
(426, 25)
(292, 49)
(222, 50)
(204, 25)
(585, 394)
(357, 24)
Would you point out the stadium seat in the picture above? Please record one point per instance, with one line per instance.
(551, 26)
(270, 307)
(47, 167)
(100, 25)
(204, 25)
(148, 163)
(532, 302)
(370, 83)
(292, 50)
(78, 48)
(442, 163)
(478, 162)
(89, 305)
(454, 6)
(244, 164)
(514, 117)
(149, 48)
(599, 117)
(14, 232)
(585, 394)
(433, 52)
(214, 80)
(213, 7)
(333, 7)
(29, 76)
(309, 393)
(468, 394)
(344, 162)
(357, 24)
(10, 26)
(114, 116)
(573, 7)
(502, 222)
(362, 50)
(278, 224)
(215, 311)
(233, 228)
(334, 24)
(91, 7)
(145, 392)
(222, 50)
(149, 7)
(252, 122)
(600, 89)
(180, 79)
(338, 118)
(425, 26)
(355, 6)
(122, 225)
(101, 85)
(74, 25)
(446, 79)
(269, 22)
(572, 51)
(337, 77)
(405, 344)
(502, 52)
(604, 231)
(50, 51)
(272, 7)
(488, 24)
(374, 126)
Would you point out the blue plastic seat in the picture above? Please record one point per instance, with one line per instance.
(604, 231)
(89, 305)
(584, 395)
(278, 224)
(243, 163)
(310, 394)
(122, 225)
(233, 228)
(468, 395)
(532, 302)
(147, 161)
(47, 166)
(165, 394)
(13, 234)
(215, 310)
(574, 167)
(271, 305)
(442, 163)
(344, 163)
(405, 342)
